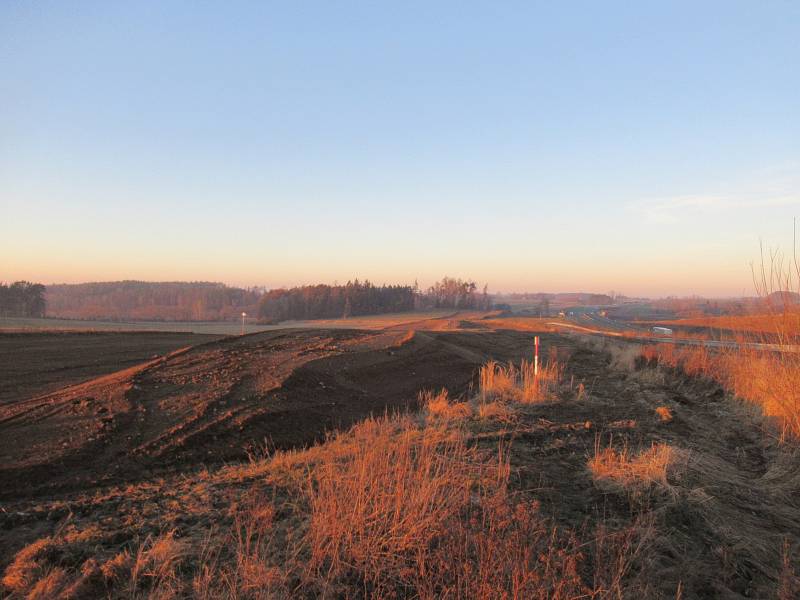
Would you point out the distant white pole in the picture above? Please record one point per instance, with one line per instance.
(536, 356)
(244, 314)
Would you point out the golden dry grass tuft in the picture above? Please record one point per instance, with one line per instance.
(496, 411)
(53, 585)
(419, 511)
(26, 568)
(154, 567)
(635, 472)
(58, 567)
(376, 513)
(520, 384)
(403, 507)
(441, 406)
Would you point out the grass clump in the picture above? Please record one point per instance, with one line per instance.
(439, 406)
(520, 384)
(621, 469)
(664, 414)
(403, 507)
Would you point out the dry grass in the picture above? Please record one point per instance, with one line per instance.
(614, 553)
(440, 406)
(496, 411)
(58, 567)
(767, 379)
(155, 564)
(382, 514)
(250, 562)
(634, 473)
(416, 511)
(664, 413)
(770, 380)
(510, 383)
(403, 507)
(380, 506)
(26, 568)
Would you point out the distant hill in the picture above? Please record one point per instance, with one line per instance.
(144, 300)
(557, 299)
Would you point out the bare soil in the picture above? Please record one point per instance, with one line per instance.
(36, 362)
(162, 445)
(217, 401)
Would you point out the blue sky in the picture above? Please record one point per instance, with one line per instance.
(641, 147)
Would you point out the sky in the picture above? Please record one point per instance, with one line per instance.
(647, 148)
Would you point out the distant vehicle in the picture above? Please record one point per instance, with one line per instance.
(662, 330)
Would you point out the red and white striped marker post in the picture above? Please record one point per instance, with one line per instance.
(536, 356)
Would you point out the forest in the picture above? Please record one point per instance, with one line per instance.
(22, 299)
(455, 293)
(158, 301)
(206, 301)
(334, 301)
(364, 298)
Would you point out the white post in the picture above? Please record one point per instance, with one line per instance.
(244, 314)
(536, 356)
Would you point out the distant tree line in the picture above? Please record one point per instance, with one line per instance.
(335, 301)
(364, 298)
(455, 293)
(22, 299)
(159, 301)
(205, 301)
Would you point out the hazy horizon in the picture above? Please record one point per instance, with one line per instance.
(646, 150)
(746, 291)
(422, 285)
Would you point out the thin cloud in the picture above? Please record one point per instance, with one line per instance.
(669, 210)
